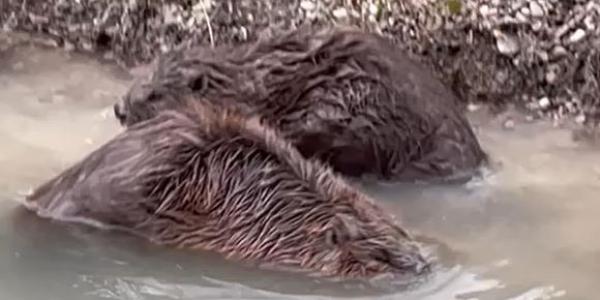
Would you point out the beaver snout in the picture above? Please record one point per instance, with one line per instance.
(119, 111)
(414, 263)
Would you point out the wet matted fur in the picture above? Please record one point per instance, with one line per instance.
(347, 97)
(205, 178)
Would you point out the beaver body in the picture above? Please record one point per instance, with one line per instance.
(207, 179)
(349, 98)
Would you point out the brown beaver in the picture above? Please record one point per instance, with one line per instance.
(347, 97)
(206, 178)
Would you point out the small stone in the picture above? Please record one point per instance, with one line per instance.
(551, 76)
(243, 33)
(529, 118)
(509, 124)
(89, 141)
(589, 23)
(516, 5)
(580, 119)
(373, 9)
(544, 102)
(525, 11)
(543, 55)
(308, 5)
(472, 107)
(486, 11)
(569, 106)
(68, 46)
(536, 9)
(522, 18)
(506, 44)
(87, 46)
(577, 36)
(559, 51)
(537, 25)
(340, 13)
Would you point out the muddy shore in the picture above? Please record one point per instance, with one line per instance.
(539, 55)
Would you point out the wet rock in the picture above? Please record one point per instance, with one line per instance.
(577, 36)
(308, 5)
(509, 124)
(340, 13)
(507, 44)
(535, 9)
(544, 102)
(472, 107)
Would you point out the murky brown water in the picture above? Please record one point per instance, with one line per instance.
(523, 233)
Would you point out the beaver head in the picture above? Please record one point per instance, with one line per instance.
(205, 178)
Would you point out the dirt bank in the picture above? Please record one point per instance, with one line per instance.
(542, 55)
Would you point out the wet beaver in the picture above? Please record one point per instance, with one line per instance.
(206, 178)
(349, 98)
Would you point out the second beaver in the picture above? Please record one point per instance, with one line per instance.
(203, 178)
(347, 97)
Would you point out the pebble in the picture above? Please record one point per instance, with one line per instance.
(68, 46)
(484, 10)
(577, 36)
(544, 102)
(580, 119)
(589, 22)
(509, 124)
(340, 13)
(522, 18)
(536, 10)
(308, 5)
(506, 44)
(472, 107)
(551, 76)
(559, 51)
(373, 9)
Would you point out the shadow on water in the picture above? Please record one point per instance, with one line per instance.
(523, 232)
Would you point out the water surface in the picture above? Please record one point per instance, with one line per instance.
(524, 232)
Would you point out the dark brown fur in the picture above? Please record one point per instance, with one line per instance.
(213, 180)
(349, 98)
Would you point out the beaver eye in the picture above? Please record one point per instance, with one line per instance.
(331, 238)
(383, 256)
(153, 97)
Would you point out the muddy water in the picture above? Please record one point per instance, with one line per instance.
(524, 232)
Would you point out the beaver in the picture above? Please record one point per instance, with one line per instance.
(346, 97)
(208, 178)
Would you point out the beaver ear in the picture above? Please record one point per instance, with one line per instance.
(351, 226)
(343, 230)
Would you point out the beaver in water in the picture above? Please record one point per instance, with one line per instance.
(214, 179)
(347, 97)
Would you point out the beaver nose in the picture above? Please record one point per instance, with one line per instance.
(119, 112)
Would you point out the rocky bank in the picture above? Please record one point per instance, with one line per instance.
(542, 55)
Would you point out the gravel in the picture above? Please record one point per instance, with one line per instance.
(541, 54)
